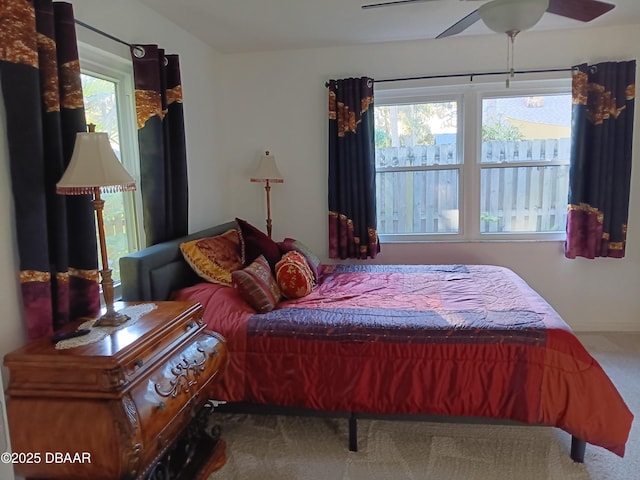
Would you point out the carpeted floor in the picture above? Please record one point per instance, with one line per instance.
(288, 448)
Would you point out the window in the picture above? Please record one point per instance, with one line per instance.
(524, 174)
(473, 162)
(107, 88)
(417, 167)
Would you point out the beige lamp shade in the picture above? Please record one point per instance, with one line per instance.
(93, 164)
(267, 170)
(505, 16)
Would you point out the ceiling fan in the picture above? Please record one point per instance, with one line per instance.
(513, 16)
(505, 16)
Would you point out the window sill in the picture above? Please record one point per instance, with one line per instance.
(390, 239)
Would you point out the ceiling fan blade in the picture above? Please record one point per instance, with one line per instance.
(461, 25)
(582, 10)
(394, 2)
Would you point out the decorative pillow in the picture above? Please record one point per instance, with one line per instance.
(214, 258)
(254, 243)
(290, 244)
(294, 276)
(257, 286)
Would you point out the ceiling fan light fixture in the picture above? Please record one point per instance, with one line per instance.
(504, 16)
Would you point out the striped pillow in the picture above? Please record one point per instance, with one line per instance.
(257, 286)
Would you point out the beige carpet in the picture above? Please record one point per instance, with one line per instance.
(288, 448)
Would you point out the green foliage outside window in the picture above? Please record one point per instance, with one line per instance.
(501, 131)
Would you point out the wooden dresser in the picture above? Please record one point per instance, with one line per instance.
(115, 409)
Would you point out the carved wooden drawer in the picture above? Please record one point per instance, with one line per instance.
(147, 356)
(121, 400)
(167, 398)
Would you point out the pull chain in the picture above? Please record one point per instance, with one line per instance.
(511, 37)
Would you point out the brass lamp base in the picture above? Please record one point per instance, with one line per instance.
(111, 319)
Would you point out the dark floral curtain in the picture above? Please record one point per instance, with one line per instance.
(42, 94)
(352, 173)
(163, 158)
(600, 172)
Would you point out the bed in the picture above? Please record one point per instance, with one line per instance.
(457, 341)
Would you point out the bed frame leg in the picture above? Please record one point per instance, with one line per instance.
(577, 449)
(353, 432)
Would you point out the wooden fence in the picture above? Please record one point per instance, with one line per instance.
(513, 199)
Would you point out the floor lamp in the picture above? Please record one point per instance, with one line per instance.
(268, 173)
(93, 169)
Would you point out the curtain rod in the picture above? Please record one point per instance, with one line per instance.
(470, 75)
(104, 34)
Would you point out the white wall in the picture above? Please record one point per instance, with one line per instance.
(203, 81)
(13, 330)
(280, 102)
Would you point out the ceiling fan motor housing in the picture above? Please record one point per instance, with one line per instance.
(512, 16)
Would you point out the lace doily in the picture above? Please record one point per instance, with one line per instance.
(135, 312)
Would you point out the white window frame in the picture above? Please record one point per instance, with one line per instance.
(469, 144)
(105, 65)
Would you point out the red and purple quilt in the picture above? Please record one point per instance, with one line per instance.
(461, 340)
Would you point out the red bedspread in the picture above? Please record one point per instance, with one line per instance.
(462, 340)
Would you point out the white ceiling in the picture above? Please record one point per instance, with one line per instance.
(232, 26)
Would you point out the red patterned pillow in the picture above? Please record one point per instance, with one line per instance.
(257, 286)
(294, 276)
(313, 261)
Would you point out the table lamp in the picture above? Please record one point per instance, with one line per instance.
(94, 168)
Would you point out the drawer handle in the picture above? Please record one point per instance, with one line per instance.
(190, 325)
(161, 406)
(185, 376)
(138, 363)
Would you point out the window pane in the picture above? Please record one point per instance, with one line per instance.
(101, 109)
(418, 134)
(417, 202)
(523, 199)
(526, 129)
